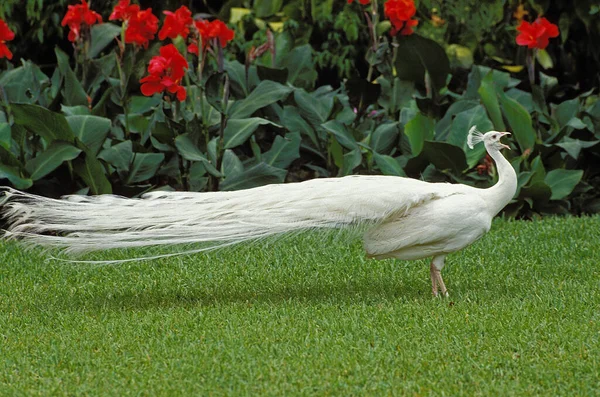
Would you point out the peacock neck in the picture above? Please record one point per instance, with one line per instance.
(502, 192)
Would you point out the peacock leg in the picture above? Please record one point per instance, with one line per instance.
(435, 269)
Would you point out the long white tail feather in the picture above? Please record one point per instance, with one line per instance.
(89, 223)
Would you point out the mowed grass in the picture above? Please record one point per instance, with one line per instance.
(310, 315)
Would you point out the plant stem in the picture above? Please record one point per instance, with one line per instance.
(530, 61)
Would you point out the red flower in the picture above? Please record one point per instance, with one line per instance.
(141, 25)
(536, 34)
(76, 16)
(166, 72)
(218, 30)
(123, 11)
(400, 13)
(208, 31)
(141, 28)
(176, 24)
(5, 35)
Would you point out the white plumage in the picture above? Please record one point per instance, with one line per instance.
(404, 218)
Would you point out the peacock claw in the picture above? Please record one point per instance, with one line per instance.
(437, 283)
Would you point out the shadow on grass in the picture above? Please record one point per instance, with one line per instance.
(370, 292)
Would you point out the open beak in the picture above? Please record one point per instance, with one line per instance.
(503, 145)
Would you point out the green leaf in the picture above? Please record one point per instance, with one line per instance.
(419, 56)
(190, 151)
(93, 174)
(341, 134)
(418, 130)
(102, 35)
(384, 138)
(445, 156)
(119, 155)
(537, 190)
(41, 121)
(267, 8)
(573, 146)
(489, 97)
(283, 151)
(144, 167)
(362, 93)
(50, 159)
(238, 131)
(215, 86)
(352, 160)
(23, 84)
(395, 94)
(442, 128)
(280, 75)
(14, 176)
(266, 93)
(231, 164)
(562, 182)
(258, 175)
(5, 135)
(293, 121)
(544, 59)
(388, 165)
(73, 94)
(463, 121)
(142, 104)
(237, 77)
(316, 110)
(78, 110)
(520, 122)
(91, 130)
(566, 111)
(299, 63)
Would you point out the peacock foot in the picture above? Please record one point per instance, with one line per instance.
(437, 283)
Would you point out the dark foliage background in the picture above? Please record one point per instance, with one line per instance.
(327, 104)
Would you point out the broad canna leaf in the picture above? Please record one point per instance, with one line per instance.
(520, 122)
(475, 116)
(73, 92)
(299, 63)
(144, 167)
(50, 159)
(388, 165)
(562, 182)
(283, 151)
(102, 35)
(188, 149)
(14, 176)
(119, 155)
(238, 131)
(316, 110)
(341, 134)
(352, 159)
(417, 56)
(93, 174)
(418, 130)
(5, 135)
(231, 164)
(43, 122)
(257, 175)
(384, 138)
(265, 94)
(91, 130)
(489, 97)
(445, 156)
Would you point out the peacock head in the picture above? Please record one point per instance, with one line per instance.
(490, 139)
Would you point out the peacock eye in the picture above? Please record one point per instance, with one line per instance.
(494, 136)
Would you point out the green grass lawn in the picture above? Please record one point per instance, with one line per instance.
(310, 316)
